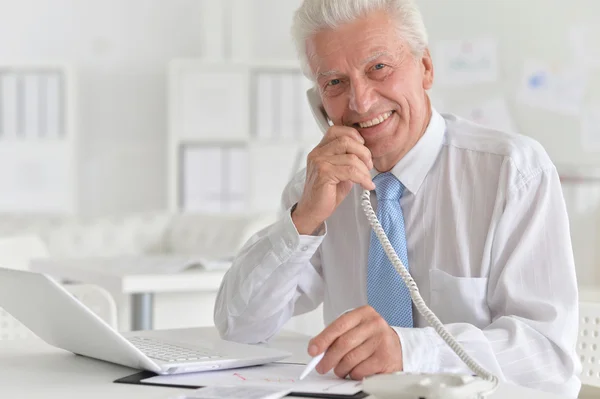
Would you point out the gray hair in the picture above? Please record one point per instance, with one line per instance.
(316, 15)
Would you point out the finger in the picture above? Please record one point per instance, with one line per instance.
(344, 345)
(336, 174)
(336, 132)
(357, 168)
(339, 326)
(355, 357)
(371, 365)
(346, 145)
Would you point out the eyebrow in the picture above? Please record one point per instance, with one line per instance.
(365, 61)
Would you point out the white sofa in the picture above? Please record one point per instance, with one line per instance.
(203, 235)
(208, 235)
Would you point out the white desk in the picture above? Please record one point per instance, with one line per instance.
(139, 282)
(32, 369)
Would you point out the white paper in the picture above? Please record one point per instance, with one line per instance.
(558, 90)
(235, 392)
(591, 128)
(202, 179)
(492, 113)
(464, 62)
(8, 93)
(270, 375)
(585, 42)
(264, 106)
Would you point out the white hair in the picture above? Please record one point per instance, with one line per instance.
(316, 15)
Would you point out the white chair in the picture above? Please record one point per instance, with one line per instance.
(588, 349)
(16, 253)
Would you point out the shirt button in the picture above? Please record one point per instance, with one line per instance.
(304, 248)
(289, 243)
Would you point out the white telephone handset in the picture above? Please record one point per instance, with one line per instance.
(318, 111)
(433, 386)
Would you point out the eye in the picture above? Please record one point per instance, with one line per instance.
(334, 82)
(378, 66)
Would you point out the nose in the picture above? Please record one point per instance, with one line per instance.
(362, 97)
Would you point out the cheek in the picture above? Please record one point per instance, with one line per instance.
(335, 109)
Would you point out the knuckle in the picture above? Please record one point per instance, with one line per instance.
(350, 358)
(345, 140)
(352, 169)
(354, 158)
(321, 166)
(368, 309)
(345, 342)
(381, 323)
(340, 372)
(357, 375)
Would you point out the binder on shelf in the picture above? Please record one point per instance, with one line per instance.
(52, 96)
(8, 105)
(31, 105)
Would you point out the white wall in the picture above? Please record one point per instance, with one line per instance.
(119, 49)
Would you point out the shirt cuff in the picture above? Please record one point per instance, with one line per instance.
(420, 349)
(290, 246)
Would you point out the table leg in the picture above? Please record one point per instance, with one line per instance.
(142, 308)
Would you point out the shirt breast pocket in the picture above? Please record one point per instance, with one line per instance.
(459, 299)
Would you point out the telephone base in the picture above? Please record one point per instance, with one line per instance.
(427, 386)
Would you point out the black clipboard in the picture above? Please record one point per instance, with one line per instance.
(137, 378)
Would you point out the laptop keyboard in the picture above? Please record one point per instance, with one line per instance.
(171, 353)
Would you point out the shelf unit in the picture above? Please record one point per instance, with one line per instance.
(215, 106)
(38, 141)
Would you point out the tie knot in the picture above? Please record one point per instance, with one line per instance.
(388, 187)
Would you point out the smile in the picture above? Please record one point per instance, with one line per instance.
(376, 121)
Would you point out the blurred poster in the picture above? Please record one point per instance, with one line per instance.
(590, 126)
(492, 113)
(554, 89)
(464, 62)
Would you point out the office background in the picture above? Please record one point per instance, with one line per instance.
(112, 109)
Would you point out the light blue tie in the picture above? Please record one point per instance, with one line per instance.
(386, 291)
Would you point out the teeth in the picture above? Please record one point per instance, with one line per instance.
(376, 121)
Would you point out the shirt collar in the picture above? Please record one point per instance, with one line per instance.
(412, 169)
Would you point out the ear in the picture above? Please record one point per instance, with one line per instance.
(428, 73)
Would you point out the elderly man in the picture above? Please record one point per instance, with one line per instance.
(477, 215)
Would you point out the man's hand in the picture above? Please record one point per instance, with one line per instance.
(359, 343)
(333, 166)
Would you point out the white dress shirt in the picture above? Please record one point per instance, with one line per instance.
(488, 245)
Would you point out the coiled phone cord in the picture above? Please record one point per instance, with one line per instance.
(416, 296)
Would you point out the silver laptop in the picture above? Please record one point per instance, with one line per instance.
(57, 317)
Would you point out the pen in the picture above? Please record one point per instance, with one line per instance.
(311, 365)
(315, 360)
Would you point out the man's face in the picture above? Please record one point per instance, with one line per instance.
(366, 73)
